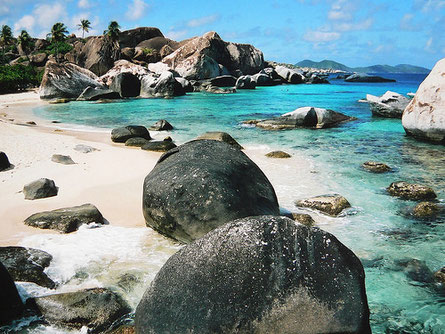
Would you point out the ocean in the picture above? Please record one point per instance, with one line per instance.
(377, 227)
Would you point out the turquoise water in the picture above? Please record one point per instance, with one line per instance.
(376, 228)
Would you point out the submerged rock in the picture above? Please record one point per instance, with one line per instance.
(309, 117)
(220, 136)
(424, 117)
(158, 146)
(439, 275)
(426, 210)
(40, 188)
(66, 220)
(411, 191)
(62, 159)
(161, 125)
(261, 274)
(376, 167)
(362, 77)
(278, 155)
(389, 104)
(11, 306)
(4, 161)
(27, 265)
(201, 185)
(121, 135)
(94, 308)
(304, 219)
(331, 204)
(416, 270)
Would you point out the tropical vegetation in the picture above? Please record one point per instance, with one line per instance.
(85, 26)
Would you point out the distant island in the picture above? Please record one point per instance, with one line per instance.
(330, 64)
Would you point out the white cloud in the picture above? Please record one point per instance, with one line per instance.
(176, 35)
(347, 26)
(26, 22)
(321, 36)
(429, 44)
(202, 21)
(47, 15)
(136, 10)
(84, 4)
(432, 5)
(339, 15)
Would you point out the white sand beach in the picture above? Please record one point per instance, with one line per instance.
(111, 178)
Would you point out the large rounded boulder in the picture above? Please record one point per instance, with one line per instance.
(11, 306)
(201, 185)
(264, 274)
(424, 117)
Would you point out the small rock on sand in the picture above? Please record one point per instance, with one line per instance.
(40, 188)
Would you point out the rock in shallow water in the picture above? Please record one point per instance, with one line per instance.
(376, 167)
(331, 204)
(389, 105)
(11, 306)
(161, 125)
(27, 265)
(262, 274)
(66, 220)
(201, 185)
(411, 191)
(278, 155)
(121, 135)
(40, 188)
(426, 210)
(94, 308)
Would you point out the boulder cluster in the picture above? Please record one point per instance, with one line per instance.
(143, 63)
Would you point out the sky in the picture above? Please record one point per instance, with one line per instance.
(353, 32)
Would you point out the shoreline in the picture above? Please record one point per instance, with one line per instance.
(110, 178)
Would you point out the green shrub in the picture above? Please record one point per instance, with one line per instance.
(17, 77)
(58, 47)
(147, 51)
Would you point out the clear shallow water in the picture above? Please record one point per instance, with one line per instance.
(375, 228)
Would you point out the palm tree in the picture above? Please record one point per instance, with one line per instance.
(113, 30)
(85, 26)
(5, 36)
(57, 35)
(24, 40)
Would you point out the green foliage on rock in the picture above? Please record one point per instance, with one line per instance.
(17, 77)
(56, 48)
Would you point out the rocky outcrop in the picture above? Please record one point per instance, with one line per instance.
(27, 265)
(66, 81)
(222, 81)
(131, 38)
(97, 93)
(95, 309)
(38, 59)
(289, 75)
(11, 306)
(303, 218)
(415, 192)
(209, 56)
(308, 117)
(376, 167)
(389, 105)
(40, 188)
(362, 77)
(136, 142)
(278, 155)
(332, 205)
(121, 135)
(4, 161)
(126, 84)
(66, 220)
(161, 125)
(258, 275)
(163, 85)
(220, 136)
(424, 117)
(123, 66)
(99, 54)
(245, 82)
(201, 185)
(158, 146)
(62, 159)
